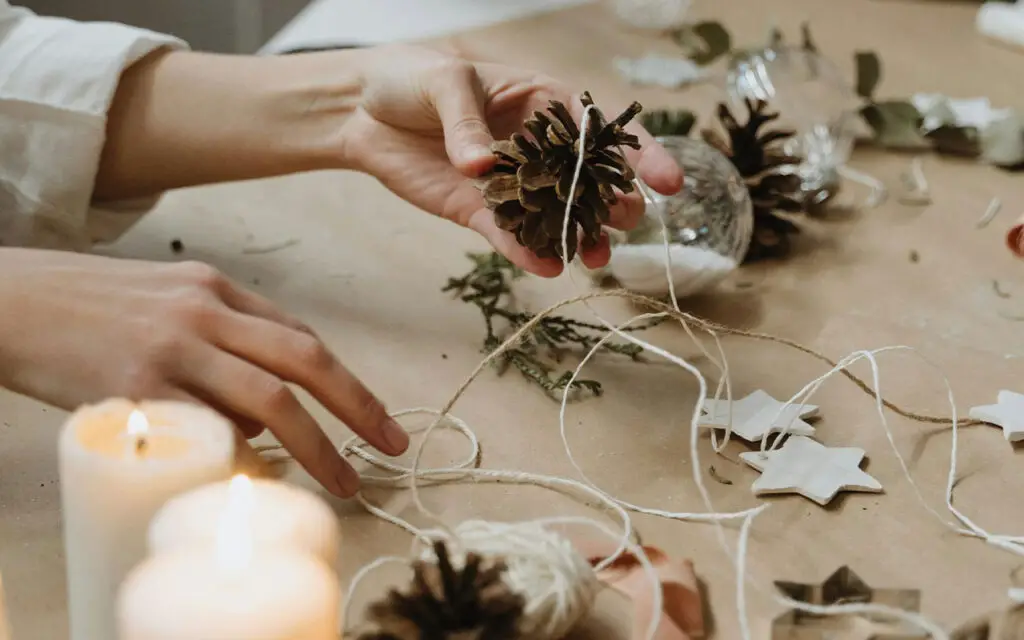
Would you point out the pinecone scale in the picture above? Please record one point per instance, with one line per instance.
(766, 169)
(448, 603)
(530, 184)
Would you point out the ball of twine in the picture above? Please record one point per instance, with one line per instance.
(558, 584)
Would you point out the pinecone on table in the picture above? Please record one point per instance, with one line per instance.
(445, 603)
(760, 159)
(529, 186)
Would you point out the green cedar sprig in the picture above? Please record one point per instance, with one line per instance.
(488, 286)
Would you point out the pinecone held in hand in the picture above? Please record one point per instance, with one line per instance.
(768, 172)
(529, 186)
(445, 603)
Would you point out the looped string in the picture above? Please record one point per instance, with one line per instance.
(565, 594)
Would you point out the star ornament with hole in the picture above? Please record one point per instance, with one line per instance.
(1007, 412)
(757, 416)
(809, 468)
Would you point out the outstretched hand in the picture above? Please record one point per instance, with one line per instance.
(424, 129)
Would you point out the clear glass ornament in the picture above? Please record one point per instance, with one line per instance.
(652, 14)
(813, 99)
(709, 222)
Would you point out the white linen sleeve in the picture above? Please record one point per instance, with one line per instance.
(57, 80)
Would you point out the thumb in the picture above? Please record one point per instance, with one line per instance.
(459, 100)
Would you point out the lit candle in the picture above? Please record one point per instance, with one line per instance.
(232, 589)
(119, 463)
(281, 514)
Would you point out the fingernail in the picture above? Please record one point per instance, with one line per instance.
(395, 436)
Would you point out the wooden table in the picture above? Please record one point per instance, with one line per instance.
(368, 269)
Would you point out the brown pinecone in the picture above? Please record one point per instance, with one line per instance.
(529, 186)
(759, 157)
(445, 603)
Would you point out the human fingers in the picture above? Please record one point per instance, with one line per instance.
(482, 221)
(627, 211)
(652, 162)
(305, 360)
(597, 256)
(459, 100)
(246, 389)
(251, 303)
(248, 427)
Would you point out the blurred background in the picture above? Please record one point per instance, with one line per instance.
(226, 26)
(274, 26)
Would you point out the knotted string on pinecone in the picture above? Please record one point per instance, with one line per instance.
(528, 189)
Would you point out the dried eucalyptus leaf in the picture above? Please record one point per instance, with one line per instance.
(704, 42)
(1002, 142)
(662, 122)
(955, 141)
(869, 73)
(807, 42)
(896, 124)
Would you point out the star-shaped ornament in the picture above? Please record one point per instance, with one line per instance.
(844, 587)
(811, 469)
(757, 416)
(1007, 412)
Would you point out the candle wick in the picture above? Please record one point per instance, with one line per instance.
(140, 445)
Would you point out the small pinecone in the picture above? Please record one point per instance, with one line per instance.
(759, 157)
(529, 186)
(444, 603)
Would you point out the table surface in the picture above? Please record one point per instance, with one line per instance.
(367, 271)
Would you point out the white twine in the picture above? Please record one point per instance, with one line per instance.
(550, 572)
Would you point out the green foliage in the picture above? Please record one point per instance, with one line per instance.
(664, 122)
(488, 286)
(704, 42)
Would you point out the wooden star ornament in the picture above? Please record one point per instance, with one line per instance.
(809, 468)
(758, 415)
(844, 587)
(1007, 412)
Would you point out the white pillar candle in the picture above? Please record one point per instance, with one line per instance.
(231, 590)
(281, 514)
(119, 463)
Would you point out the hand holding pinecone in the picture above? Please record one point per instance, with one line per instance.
(529, 186)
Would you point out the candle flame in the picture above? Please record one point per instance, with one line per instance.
(138, 424)
(234, 535)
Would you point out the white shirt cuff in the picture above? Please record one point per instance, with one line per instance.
(58, 81)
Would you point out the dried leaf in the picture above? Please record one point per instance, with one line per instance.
(704, 42)
(869, 73)
(807, 42)
(956, 141)
(1002, 142)
(669, 123)
(896, 124)
(683, 607)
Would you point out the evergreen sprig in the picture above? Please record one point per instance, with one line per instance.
(488, 286)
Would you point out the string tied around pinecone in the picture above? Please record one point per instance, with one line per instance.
(528, 188)
(491, 581)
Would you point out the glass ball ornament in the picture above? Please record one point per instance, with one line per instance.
(652, 14)
(709, 223)
(813, 99)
